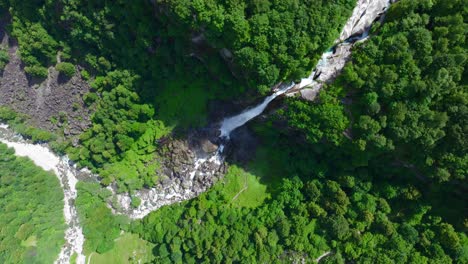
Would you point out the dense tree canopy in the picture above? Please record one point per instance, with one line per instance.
(100, 226)
(409, 89)
(31, 211)
(373, 171)
(270, 40)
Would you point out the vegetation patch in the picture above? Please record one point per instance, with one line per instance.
(4, 58)
(100, 226)
(242, 188)
(66, 68)
(31, 211)
(128, 248)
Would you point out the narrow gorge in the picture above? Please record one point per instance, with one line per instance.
(205, 162)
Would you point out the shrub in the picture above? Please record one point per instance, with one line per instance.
(66, 68)
(37, 71)
(4, 58)
(85, 74)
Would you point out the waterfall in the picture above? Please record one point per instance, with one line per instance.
(152, 199)
(356, 29)
(231, 123)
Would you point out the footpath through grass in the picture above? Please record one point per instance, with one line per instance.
(243, 189)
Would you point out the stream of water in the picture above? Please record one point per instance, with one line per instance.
(328, 66)
(66, 174)
(231, 123)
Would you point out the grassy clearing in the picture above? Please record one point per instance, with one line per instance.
(30, 242)
(243, 189)
(129, 248)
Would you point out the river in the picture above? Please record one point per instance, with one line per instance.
(330, 64)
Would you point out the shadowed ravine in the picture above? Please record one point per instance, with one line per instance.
(205, 163)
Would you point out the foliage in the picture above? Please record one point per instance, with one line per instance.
(362, 195)
(156, 66)
(121, 144)
(324, 119)
(360, 214)
(66, 68)
(129, 248)
(270, 40)
(369, 180)
(18, 123)
(31, 211)
(38, 48)
(100, 226)
(409, 90)
(4, 58)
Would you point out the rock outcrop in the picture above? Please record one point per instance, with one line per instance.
(52, 103)
(189, 168)
(362, 18)
(332, 63)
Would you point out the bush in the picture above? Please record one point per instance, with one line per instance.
(66, 68)
(135, 202)
(37, 71)
(4, 58)
(85, 74)
(6, 114)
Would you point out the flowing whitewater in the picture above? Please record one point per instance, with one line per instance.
(66, 174)
(231, 123)
(205, 164)
(328, 67)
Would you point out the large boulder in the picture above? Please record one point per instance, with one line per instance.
(309, 94)
(363, 16)
(207, 146)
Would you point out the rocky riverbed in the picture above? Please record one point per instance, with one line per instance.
(189, 168)
(67, 176)
(332, 62)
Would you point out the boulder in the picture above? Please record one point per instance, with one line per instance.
(226, 54)
(363, 15)
(309, 94)
(208, 146)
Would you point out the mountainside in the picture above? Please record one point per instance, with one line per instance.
(232, 131)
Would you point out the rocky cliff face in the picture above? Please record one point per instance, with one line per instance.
(53, 103)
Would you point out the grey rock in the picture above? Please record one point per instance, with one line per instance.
(208, 146)
(44, 100)
(309, 94)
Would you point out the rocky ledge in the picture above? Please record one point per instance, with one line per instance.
(189, 168)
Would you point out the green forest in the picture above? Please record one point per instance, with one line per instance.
(372, 171)
(31, 211)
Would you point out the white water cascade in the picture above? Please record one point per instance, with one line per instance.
(231, 123)
(151, 199)
(66, 174)
(328, 67)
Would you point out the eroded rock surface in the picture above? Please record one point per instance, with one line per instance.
(55, 98)
(362, 18)
(332, 63)
(187, 171)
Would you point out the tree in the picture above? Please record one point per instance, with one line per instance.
(66, 68)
